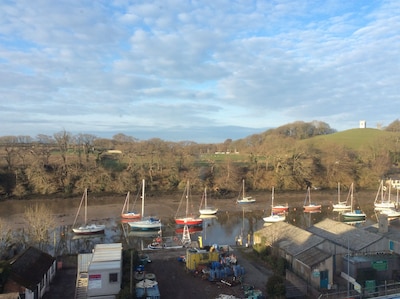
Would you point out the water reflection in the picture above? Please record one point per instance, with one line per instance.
(224, 228)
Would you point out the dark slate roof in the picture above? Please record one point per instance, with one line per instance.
(344, 235)
(312, 257)
(29, 268)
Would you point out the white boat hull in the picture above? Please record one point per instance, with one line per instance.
(274, 218)
(89, 229)
(208, 211)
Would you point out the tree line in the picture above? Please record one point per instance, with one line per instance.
(288, 158)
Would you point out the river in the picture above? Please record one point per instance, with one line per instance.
(232, 220)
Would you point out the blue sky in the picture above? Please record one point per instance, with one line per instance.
(203, 71)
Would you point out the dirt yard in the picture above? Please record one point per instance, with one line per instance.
(174, 280)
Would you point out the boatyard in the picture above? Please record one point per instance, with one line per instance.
(176, 281)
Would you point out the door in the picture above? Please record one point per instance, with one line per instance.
(323, 279)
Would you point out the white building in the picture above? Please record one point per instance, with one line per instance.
(103, 270)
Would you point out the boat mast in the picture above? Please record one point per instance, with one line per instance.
(187, 198)
(205, 197)
(272, 197)
(142, 198)
(351, 196)
(85, 206)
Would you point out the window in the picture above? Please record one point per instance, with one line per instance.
(113, 277)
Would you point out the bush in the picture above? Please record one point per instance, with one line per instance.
(276, 287)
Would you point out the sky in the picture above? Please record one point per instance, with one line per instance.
(202, 71)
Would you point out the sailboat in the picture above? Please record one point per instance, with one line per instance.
(274, 217)
(391, 213)
(308, 205)
(381, 202)
(145, 223)
(206, 209)
(186, 219)
(353, 215)
(126, 213)
(243, 199)
(86, 229)
(341, 205)
(279, 208)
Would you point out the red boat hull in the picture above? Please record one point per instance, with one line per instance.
(188, 221)
(280, 209)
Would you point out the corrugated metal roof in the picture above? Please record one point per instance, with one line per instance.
(292, 239)
(312, 257)
(107, 252)
(104, 266)
(344, 235)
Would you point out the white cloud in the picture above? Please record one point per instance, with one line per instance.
(190, 68)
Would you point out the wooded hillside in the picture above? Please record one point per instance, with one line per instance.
(288, 158)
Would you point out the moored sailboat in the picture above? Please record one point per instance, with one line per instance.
(146, 223)
(243, 199)
(205, 209)
(186, 219)
(308, 205)
(382, 199)
(341, 205)
(274, 217)
(86, 229)
(126, 213)
(353, 215)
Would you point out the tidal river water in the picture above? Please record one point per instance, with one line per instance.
(232, 221)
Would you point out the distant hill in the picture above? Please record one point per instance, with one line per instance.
(355, 138)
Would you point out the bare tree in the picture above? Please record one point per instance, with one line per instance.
(41, 223)
(5, 238)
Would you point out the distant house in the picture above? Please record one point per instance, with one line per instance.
(13, 295)
(31, 273)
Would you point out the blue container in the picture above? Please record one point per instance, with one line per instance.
(211, 277)
(215, 265)
(223, 273)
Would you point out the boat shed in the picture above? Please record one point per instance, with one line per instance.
(302, 250)
(105, 271)
(343, 238)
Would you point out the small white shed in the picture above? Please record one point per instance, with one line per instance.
(105, 271)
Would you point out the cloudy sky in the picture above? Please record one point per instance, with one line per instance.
(201, 70)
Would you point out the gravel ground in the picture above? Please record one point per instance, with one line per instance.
(174, 280)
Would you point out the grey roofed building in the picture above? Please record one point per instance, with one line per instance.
(345, 235)
(313, 256)
(288, 237)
